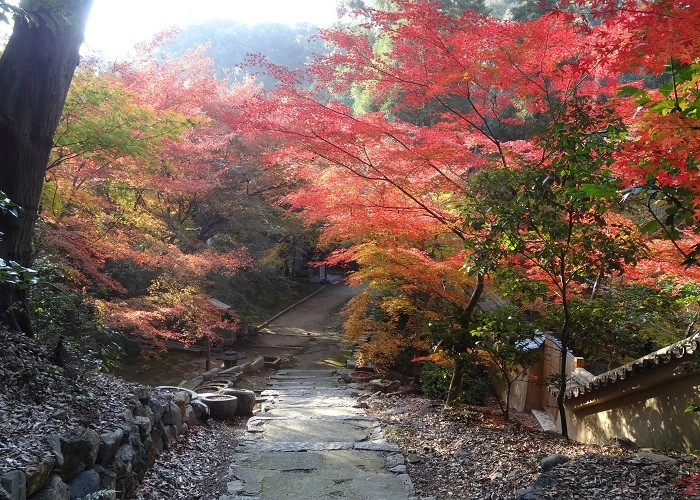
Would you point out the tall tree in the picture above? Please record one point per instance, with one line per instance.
(36, 69)
(656, 41)
(384, 177)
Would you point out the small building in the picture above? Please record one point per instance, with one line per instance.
(643, 401)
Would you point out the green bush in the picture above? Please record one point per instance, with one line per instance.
(435, 380)
(475, 383)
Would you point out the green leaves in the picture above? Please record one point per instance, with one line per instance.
(12, 272)
(692, 407)
(680, 93)
(7, 206)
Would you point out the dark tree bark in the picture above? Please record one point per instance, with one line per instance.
(36, 69)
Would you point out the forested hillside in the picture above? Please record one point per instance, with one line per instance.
(546, 166)
(230, 44)
(489, 178)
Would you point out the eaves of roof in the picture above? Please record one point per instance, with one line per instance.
(681, 349)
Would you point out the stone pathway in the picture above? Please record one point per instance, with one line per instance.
(311, 441)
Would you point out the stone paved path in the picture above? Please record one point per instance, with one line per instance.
(311, 441)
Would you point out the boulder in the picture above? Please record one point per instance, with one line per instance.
(654, 458)
(144, 426)
(128, 418)
(172, 416)
(122, 460)
(143, 394)
(221, 406)
(624, 443)
(54, 442)
(144, 411)
(15, 483)
(210, 374)
(159, 404)
(84, 483)
(163, 434)
(529, 494)
(39, 473)
(138, 462)
(182, 399)
(157, 447)
(79, 448)
(189, 416)
(201, 411)
(54, 489)
(109, 444)
(544, 481)
(171, 434)
(126, 485)
(383, 385)
(108, 482)
(550, 462)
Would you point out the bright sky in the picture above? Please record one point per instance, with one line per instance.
(115, 25)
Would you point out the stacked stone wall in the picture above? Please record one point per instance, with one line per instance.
(84, 461)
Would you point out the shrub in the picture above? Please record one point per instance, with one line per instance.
(475, 385)
(475, 382)
(435, 380)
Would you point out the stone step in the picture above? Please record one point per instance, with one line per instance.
(306, 383)
(312, 441)
(308, 373)
(293, 412)
(320, 392)
(298, 471)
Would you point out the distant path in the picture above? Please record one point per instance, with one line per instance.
(313, 440)
(315, 316)
(315, 327)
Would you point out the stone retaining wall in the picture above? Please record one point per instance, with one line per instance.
(84, 461)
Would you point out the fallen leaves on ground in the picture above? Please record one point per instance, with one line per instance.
(470, 453)
(196, 467)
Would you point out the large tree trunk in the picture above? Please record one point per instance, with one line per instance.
(36, 69)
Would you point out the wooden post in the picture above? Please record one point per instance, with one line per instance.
(208, 342)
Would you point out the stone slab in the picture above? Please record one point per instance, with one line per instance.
(317, 430)
(313, 442)
(307, 373)
(347, 474)
(291, 412)
(304, 383)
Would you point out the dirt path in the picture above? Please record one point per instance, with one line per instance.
(315, 327)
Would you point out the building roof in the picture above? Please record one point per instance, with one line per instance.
(218, 303)
(683, 348)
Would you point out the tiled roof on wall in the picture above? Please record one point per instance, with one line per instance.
(685, 347)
